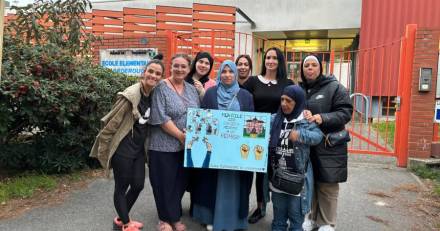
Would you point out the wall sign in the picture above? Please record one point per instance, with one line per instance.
(437, 112)
(129, 61)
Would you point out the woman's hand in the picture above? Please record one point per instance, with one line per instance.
(199, 87)
(181, 137)
(312, 118)
(294, 135)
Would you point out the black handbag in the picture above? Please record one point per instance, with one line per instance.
(292, 183)
(337, 138)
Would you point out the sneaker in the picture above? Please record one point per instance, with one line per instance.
(117, 224)
(163, 226)
(326, 228)
(129, 227)
(309, 225)
(179, 226)
(209, 227)
(256, 216)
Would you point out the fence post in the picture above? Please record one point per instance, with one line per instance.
(397, 132)
(171, 51)
(212, 43)
(332, 61)
(406, 78)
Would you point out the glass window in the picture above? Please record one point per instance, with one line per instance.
(274, 43)
(307, 45)
(340, 44)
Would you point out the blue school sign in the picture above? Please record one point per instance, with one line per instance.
(227, 140)
(129, 61)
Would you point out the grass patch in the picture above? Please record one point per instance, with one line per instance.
(25, 185)
(429, 173)
(385, 129)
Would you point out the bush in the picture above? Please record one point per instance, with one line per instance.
(51, 94)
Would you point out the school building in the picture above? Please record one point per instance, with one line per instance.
(385, 52)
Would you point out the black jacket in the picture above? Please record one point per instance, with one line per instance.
(331, 100)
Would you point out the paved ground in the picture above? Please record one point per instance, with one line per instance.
(359, 209)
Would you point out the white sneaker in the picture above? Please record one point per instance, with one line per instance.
(209, 228)
(326, 228)
(309, 225)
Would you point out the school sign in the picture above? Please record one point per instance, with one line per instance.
(129, 61)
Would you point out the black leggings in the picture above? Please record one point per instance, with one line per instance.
(127, 172)
(259, 187)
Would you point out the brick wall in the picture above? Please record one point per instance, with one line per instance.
(153, 41)
(423, 103)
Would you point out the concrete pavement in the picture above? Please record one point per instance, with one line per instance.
(370, 200)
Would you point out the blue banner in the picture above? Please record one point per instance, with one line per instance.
(227, 140)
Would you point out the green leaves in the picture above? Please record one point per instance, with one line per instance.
(51, 94)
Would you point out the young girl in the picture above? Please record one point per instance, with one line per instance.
(121, 143)
(199, 74)
(289, 149)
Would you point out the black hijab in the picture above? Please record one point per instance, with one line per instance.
(310, 84)
(205, 78)
(297, 94)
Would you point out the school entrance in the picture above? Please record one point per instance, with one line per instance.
(378, 80)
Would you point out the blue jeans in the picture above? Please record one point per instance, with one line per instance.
(286, 207)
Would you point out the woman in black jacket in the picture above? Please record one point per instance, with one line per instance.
(328, 105)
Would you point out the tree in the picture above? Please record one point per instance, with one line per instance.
(51, 95)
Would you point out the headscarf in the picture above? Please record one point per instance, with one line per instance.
(205, 78)
(227, 94)
(309, 84)
(297, 94)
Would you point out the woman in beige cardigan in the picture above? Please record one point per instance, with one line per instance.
(120, 145)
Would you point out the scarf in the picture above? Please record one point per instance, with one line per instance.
(227, 94)
(296, 94)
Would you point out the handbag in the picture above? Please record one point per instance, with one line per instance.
(292, 183)
(333, 139)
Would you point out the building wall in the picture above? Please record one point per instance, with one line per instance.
(384, 22)
(423, 103)
(279, 15)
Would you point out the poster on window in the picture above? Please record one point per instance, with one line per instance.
(227, 140)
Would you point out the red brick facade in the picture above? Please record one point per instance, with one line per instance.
(422, 103)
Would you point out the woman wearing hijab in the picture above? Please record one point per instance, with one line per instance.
(221, 197)
(266, 90)
(289, 149)
(329, 105)
(199, 74)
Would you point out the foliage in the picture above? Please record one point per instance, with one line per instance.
(386, 129)
(431, 173)
(25, 186)
(51, 94)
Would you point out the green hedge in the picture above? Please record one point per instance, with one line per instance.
(51, 94)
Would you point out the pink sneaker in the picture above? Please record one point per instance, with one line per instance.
(117, 224)
(163, 226)
(129, 227)
(179, 226)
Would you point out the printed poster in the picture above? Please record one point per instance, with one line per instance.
(227, 140)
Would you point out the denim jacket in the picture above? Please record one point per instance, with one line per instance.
(309, 135)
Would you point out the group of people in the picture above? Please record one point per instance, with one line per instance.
(147, 124)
